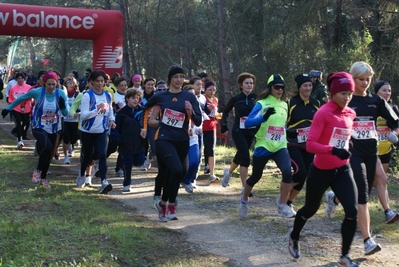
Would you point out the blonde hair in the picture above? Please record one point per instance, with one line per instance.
(360, 68)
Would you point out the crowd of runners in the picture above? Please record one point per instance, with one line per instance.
(336, 140)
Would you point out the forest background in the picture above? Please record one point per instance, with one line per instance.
(226, 37)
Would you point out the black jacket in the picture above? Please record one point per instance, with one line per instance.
(127, 130)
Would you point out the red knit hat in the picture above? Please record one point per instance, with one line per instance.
(341, 81)
(50, 75)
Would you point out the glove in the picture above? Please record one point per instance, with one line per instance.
(268, 113)
(223, 128)
(341, 153)
(61, 103)
(291, 133)
(4, 113)
(392, 137)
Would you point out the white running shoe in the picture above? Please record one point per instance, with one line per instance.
(212, 178)
(243, 209)
(226, 177)
(66, 160)
(120, 173)
(88, 181)
(105, 187)
(20, 145)
(286, 211)
(371, 247)
(80, 181)
(331, 206)
(293, 246)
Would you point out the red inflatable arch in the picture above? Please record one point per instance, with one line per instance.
(103, 27)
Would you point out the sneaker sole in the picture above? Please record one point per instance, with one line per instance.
(106, 189)
(394, 219)
(375, 250)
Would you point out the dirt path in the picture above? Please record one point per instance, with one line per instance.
(209, 219)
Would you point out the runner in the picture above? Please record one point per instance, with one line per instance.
(328, 139)
(270, 114)
(46, 121)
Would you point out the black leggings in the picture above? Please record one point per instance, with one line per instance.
(94, 142)
(174, 155)
(45, 143)
(300, 163)
(343, 185)
(209, 142)
(112, 148)
(363, 167)
(242, 143)
(22, 121)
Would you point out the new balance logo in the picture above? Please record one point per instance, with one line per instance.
(110, 58)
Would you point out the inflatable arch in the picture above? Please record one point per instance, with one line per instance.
(103, 27)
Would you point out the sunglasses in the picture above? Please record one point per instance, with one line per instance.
(160, 90)
(278, 87)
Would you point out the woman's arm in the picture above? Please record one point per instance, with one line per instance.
(255, 118)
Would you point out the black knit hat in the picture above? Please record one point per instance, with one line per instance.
(275, 79)
(301, 79)
(173, 71)
(380, 84)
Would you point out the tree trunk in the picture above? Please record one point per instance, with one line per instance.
(32, 52)
(224, 67)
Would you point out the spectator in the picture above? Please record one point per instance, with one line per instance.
(319, 91)
(83, 80)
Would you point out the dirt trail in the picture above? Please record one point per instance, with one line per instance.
(209, 219)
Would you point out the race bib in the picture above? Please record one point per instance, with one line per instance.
(302, 134)
(340, 138)
(102, 108)
(242, 123)
(49, 118)
(382, 132)
(363, 130)
(275, 133)
(173, 118)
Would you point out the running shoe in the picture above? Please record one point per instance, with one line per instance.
(206, 169)
(286, 211)
(119, 173)
(80, 181)
(143, 168)
(293, 245)
(36, 176)
(187, 187)
(331, 206)
(212, 178)
(126, 188)
(226, 177)
(147, 163)
(371, 247)
(66, 160)
(88, 180)
(155, 200)
(391, 217)
(171, 213)
(45, 184)
(20, 145)
(161, 212)
(347, 261)
(243, 209)
(105, 187)
(194, 184)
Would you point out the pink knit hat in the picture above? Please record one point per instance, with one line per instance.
(136, 77)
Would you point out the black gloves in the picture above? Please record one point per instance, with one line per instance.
(341, 153)
(223, 128)
(4, 113)
(291, 133)
(268, 113)
(61, 103)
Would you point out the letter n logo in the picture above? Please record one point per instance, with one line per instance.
(110, 58)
